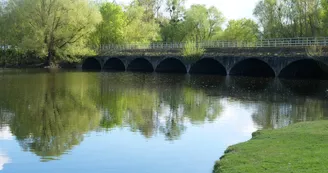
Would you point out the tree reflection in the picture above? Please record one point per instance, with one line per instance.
(199, 107)
(49, 113)
(276, 115)
(52, 114)
(161, 109)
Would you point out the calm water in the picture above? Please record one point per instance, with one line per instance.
(129, 122)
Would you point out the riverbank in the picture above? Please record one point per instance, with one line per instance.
(301, 147)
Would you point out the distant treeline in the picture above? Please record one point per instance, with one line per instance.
(63, 30)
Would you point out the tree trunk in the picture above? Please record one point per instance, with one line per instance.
(50, 61)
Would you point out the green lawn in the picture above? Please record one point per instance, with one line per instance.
(299, 148)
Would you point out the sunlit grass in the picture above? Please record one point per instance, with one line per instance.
(299, 148)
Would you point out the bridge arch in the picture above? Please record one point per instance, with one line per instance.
(91, 64)
(171, 65)
(140, 64)
(306, 69)
(114, 64)
(252, 67)
(208, 66)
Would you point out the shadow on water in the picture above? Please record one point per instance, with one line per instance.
(306, 87)
(249, 83)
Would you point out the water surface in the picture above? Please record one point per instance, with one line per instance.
(70, 121)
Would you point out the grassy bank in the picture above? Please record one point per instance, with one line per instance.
(299, 148)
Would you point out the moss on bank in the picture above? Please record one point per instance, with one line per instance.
(302, 147)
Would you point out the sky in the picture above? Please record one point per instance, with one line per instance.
(231, 9)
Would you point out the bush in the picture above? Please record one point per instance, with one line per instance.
(314, 51)
(191, 51)
(15, 58)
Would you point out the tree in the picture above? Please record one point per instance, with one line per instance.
(111, 29)
(173, 31)
(149, 7)
(176, 9)
(289, 18)
(195, 24)
(2, 24)
(56, 29)
(137, 30)
(241, 30)
(202, 23)
(324, 17)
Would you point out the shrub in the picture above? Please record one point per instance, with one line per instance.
(314, 51)
(191, 51)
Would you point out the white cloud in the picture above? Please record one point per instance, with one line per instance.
(3, 160)
(5, 133)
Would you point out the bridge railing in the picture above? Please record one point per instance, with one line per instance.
(279, 42)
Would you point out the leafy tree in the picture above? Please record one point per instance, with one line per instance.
(151, 8)
(56, 29)
(2, 24)
(324, 17)
(173, 31)
(289, 18)
(137, 30)
(196, 24)
(111, 29)
(176, 9)
(172, 28)
(241, 30)
(202, 23)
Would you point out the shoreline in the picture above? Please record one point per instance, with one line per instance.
(300, 147)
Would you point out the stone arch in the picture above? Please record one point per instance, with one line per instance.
(140, 64)
(171, 65)
(91, 64)
(252, 67)
(114, 64)
(306, 69)
(208, 66)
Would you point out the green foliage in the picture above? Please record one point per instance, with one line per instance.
(176, 9)
(314, 51)
(297, 148)
(111, 29)
(202, 23)
(290, 18)
(60, 30)
(17, 58)
(192, 51)
(324, 17)
(173, 31)
(197, 24)
(137, 29)
(54, 29)
(241, 30)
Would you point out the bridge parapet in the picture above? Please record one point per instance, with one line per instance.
(262, 43)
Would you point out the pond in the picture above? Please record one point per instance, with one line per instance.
(72, 121)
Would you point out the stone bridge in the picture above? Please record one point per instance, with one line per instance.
(285, 67)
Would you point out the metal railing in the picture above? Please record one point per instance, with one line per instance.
(278, 42)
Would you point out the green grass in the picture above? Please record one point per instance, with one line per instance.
(299, 148)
